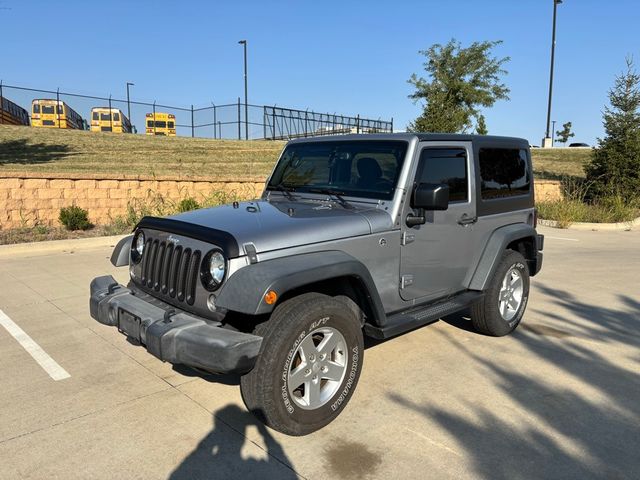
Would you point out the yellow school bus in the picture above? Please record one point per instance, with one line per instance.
(161, 124)
(12, 114)
(54, 114)
(105, 120)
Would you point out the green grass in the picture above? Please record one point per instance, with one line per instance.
(556, 163)
(27, 149)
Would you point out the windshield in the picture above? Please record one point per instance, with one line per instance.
(359, 168)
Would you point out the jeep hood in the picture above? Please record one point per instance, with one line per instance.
(275, 224)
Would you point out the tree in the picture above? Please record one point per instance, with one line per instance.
(481, 126)
(459, 81)
(614, 169)
(565, 134)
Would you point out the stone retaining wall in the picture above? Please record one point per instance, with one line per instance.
(36, 199)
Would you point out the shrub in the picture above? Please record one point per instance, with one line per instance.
(75, 218)
(187, 204)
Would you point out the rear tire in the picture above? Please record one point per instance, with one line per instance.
(308, 367)
(505, 300)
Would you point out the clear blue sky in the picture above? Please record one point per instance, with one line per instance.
(332, 56)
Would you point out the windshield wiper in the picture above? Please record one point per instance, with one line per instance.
(284, 188)
(335, 193)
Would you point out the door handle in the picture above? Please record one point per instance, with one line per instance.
(467, 220)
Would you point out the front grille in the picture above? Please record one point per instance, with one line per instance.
(105, 129)
(171, 270)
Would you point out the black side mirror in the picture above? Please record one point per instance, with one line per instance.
(431, 196)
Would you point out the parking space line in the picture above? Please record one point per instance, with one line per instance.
(49, 365)
(562, 238)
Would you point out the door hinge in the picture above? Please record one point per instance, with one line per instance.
(407, 238)
(405, 281)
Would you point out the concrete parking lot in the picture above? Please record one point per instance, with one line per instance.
(560, 398)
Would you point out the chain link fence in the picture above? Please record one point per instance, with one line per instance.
(233, 120)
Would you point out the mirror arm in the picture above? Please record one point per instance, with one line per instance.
(415, 220)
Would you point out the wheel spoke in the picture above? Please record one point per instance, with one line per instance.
(312, 393)
(307, 348)
(513, 303)
(503, 308)
(516, 282)
(328, 344)
(297, 377)
(334, 371)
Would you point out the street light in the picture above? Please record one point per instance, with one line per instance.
(547, 141)
(246, 106)
(129, 103)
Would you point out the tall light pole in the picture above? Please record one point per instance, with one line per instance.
(547, 139)
(128, 102)
(246, 106)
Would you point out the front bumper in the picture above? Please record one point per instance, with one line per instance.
(172, 335)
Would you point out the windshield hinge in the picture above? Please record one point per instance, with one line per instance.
(407, 238)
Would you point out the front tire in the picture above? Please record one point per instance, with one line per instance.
(505, 300)
(309, 364)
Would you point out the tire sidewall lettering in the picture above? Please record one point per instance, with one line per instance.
(349, 382)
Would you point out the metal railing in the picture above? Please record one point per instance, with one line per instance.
(221, 121)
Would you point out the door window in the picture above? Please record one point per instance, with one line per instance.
(448, 166)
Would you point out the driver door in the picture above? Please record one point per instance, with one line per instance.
(436, 256)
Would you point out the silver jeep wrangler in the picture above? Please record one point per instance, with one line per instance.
(354, 235)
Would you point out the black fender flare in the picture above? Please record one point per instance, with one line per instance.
(497, 243)
(120, 254)
(244, 291)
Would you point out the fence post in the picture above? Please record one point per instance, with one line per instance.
(274, 122)
(110, 115)
(192, 128)
(58, 105)
(1, 104)
(358, 124)
(215, 120)
(391, 124)
(264, 122)
(219, 129)
(239, 121)
(154, 118)
(306, 122)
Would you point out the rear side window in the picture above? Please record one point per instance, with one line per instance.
(171, 125)
(504, 172)
(96, 116)
(445, 165)
(36, 108)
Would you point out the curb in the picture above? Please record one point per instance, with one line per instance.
(58, 246)
(585, 226)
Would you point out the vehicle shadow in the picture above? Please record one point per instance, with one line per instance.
(219, 455)
(25, 153)
(587, 426)
(224, 379)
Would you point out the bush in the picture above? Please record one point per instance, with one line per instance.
(187, 204)
(75, 218)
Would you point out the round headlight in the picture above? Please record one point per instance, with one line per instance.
(214, 268)
(137, 246)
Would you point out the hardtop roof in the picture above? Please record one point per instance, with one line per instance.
(423, 137)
